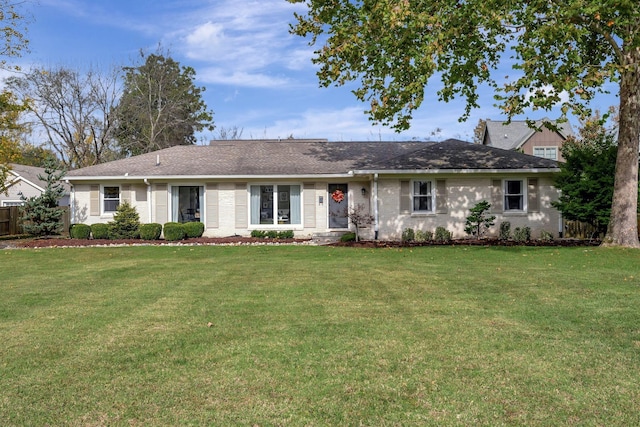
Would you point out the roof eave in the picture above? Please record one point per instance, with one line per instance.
(453, 171)
(199, 177)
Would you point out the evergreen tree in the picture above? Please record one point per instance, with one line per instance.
(41, 214)
(478, 221)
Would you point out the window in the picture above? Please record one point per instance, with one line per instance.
(275, 204)
(422, 195)
(187, 203)
(546, 152)
(110, 198)
(513, 195)
(7, 203)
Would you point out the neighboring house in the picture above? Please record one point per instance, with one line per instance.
(237, 186)
(538, 140)
(24, 180)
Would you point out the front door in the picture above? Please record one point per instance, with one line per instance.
(338, 206)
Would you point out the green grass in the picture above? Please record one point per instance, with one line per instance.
(320, 336)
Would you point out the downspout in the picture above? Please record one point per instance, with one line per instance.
(376, 215)
(149, 211)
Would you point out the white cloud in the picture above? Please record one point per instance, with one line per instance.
(232, 77)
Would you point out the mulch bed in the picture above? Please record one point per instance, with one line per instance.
(238, 240)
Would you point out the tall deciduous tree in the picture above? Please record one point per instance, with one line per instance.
(558, 48)
(11, 129)
(74, 110)
(13, 30)
(160, 106)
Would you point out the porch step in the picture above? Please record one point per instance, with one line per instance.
(327, 237)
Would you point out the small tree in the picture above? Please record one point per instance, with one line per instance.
(479, 220)
(41, 214)
(126, 223)
(359, 218)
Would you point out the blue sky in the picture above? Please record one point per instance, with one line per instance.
(257, 76)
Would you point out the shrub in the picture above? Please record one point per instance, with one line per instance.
(150, 231)
(505, 230)
(272, 234)
(79, 231)
(408, 235)
(546, 236)
(479, 220)
(260, 234)
(100, 231)
(174, 231)
(522, 235)
(442, 235)
(193, 229)
(424, 236)
(286, 234)
(126, 223)
(348, 237)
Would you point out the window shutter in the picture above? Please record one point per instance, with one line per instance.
(441, 196)
(212, 219)
(309, 190)
(94, 200)
(160, 194)
(242, 220)
(533, 197)
(496, 196)
(405, 197)
(125, 193)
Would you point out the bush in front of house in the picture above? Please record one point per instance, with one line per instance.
(126, 223)
(505, 230)
(479, 219)
(272, 234)
(424, 236)
(408, 235)
(348, 237)
(174, 231)
(79, 231)
(442, 235)
(522, 234)
(546, 236)
(285, 234)
(150, 231)
(258, 234)
(100, 231)
(193, 229)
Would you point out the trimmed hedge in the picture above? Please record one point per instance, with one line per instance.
(193, 229)
(100, 231)
(79, 231)
(174, 231)
(150, 231)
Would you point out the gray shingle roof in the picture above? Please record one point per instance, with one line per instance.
(264, 158)
(511, 136)
(32, 174)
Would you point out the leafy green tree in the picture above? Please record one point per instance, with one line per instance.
(13, 39)
(586, 179)
(35, 155)
(160, 106)
(11, 129)
(563, 53)
(41, 214)
(479, 220)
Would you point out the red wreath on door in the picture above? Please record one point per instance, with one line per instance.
(337, 196)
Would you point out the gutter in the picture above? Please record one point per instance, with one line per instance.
(149, 194)
(204, 177)
(376, 213)
(451, 171)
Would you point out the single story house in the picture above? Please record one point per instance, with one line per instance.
(538, 140)
(25, 180)
(309, 186)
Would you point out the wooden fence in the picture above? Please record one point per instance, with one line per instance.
(11, 221)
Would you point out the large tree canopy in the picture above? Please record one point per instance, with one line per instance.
(11, 130)
(557, 48)
(160, 106)
(74, 110)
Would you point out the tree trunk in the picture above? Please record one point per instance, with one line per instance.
(623, 225)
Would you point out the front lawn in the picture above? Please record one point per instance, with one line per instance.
(298, 335)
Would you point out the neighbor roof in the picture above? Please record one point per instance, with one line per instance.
(31, 175)
(277, 158)
(511, 136)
